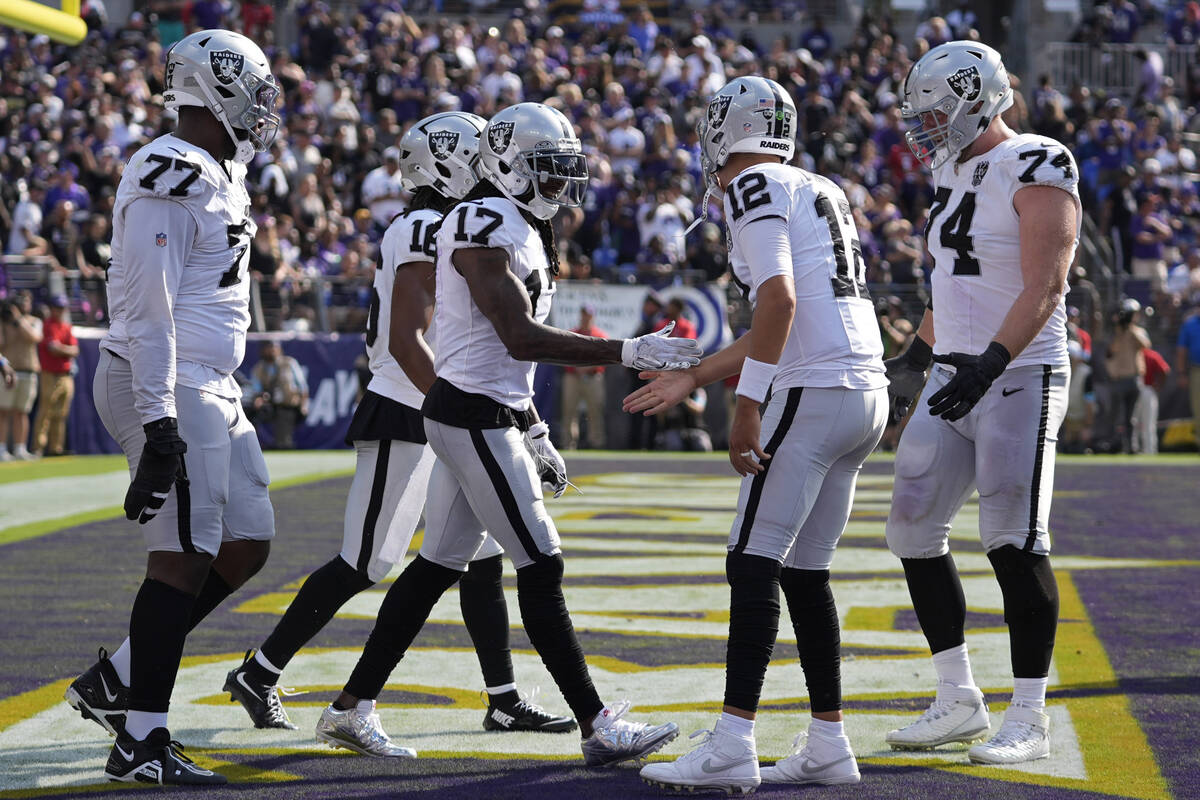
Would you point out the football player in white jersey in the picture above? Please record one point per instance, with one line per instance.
(814, 345)
(496, 263)
(1002, 232)
(179, 295)
(438, 163)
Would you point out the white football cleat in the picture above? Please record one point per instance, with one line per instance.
(815, 759)
(622, 740)
(958, 714)
(1024, 736)
(721, 761)
(359, 731)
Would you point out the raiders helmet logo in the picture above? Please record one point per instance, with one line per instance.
(499, 135)
(717, 110)
(226, 65)
(966, 83)
(980, 171)
(442, 143)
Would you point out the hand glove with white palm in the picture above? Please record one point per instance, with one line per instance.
(551, 467)
(660, 351)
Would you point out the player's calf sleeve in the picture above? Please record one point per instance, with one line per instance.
(405, 608)
(485, 613)
(212, 594)
(753, 626)
(323, 593)
(818, 637)
(1030, 608)
(937, 597)
(548, 623)
(157, 629)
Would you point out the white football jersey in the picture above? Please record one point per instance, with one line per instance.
(834, 340)
(409, 238)
(470, 354)
(178, 277)
(974, 236)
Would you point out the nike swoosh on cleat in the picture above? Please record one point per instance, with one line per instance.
(1007, 392)
(241, 678)
(708, 767)
(809, 768)
(126, 756)
(112, 697)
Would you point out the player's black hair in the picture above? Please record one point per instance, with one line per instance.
(426, 197)
(486, 188)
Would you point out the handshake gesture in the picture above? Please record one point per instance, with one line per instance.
(658, 351)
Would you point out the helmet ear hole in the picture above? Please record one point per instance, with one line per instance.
(221, 90)
(442, 170)
(504, 168)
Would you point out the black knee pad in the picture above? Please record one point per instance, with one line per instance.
(1026, 580)
(545, 574)
(818, 636)
(1030, 608)
(753, 626)
(485, 570)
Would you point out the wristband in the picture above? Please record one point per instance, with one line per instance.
(756, 378)
(538, 429)
(919, 353)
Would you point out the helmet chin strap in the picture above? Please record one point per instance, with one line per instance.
(243, 150)
(700, 220)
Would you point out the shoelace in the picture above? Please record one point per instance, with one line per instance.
(1012, 733)
(177, 750)
(698, 747)
(799, 743)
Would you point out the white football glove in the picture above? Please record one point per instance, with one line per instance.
(658, 351)
(549, 462)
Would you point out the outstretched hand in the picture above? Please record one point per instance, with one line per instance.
(665, 390)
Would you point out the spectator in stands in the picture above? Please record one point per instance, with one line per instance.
(1123, 22)
(20, 333)
(94, 252)
(962, 20)
(27, 219)
(674, 312)
(585, 385)
(280, 393)
(1145, 410)
(1126, 367)
(817, 40)
(626, 144)
(1183, 27)
(381, 189)
(1076, 436)
(1187, 364)
(56, 354)
(1150, 76)
(1151, 234)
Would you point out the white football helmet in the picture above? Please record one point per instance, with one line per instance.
(530, 151)
(442, 152)
(954, 92)
(748, 115)
(229, 75)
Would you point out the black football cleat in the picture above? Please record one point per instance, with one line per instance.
(260, 700)
(156, 759)
(99, 695)
(524, 715)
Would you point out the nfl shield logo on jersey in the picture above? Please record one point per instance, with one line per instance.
(226, 65)
(980, 171)
(499, 135)
(966, 83)
(442, 143)
(160, 240)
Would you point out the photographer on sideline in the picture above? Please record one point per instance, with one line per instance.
(20, 333)
(282, 393)
(1126, 364)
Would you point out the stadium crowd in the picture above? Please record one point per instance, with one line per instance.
(635, 85)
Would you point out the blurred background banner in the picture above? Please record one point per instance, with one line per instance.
(618, 309)
(330, 362)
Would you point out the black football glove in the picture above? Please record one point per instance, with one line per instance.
(906, 376)
(970, 382)
(160, 468)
